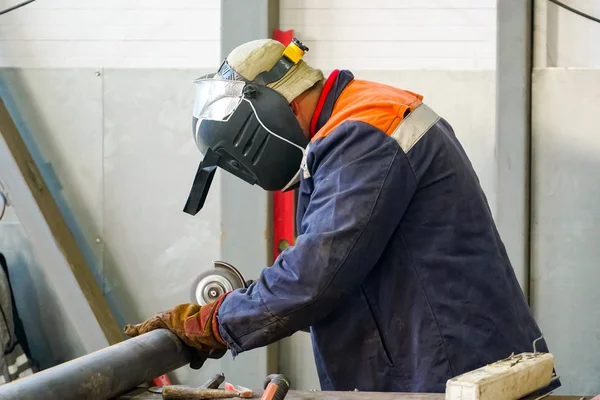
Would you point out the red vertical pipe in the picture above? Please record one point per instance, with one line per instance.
(283, 203)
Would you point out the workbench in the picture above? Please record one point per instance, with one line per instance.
(119, 372)
(143, 394)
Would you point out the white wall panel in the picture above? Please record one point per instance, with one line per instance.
(389, 4)
(59, 115)
(95, 33)
(394, 34)
(571, 40)
(566, 222)
(391, 33)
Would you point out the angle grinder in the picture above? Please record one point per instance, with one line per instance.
(211, 284)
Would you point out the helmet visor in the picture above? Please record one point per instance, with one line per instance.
(216, 99)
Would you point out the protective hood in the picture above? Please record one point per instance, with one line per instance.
(250, 131)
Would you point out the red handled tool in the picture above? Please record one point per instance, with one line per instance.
(276, 387)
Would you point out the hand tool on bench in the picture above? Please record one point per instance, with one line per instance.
(276, 387)
(212, 383)
(243, 392)
(186, 393)
(210, 390)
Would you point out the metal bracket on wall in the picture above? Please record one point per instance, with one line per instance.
(52, 240)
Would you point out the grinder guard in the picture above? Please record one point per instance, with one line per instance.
(211, 284)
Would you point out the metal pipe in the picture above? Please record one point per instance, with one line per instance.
(106, 373)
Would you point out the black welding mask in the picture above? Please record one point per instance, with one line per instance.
(247, 129)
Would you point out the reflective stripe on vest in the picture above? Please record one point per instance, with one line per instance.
(414, 126)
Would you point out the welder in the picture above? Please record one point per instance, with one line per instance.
(398, 270)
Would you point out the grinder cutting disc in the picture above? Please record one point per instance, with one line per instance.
(211, 284)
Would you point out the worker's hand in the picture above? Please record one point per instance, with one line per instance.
(195, 325)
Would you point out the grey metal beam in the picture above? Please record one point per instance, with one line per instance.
(513, 130)
(242, 21)
(245, 209)
(540, 34)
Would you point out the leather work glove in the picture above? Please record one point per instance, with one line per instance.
(194, 324)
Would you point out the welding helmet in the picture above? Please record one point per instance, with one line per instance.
(243, 122)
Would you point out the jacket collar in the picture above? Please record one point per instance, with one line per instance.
(335, 84)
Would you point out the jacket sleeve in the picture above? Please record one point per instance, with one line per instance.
(361, 185)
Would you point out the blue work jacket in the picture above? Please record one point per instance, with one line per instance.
(398, 269)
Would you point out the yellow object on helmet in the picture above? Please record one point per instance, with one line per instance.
(257, 58)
